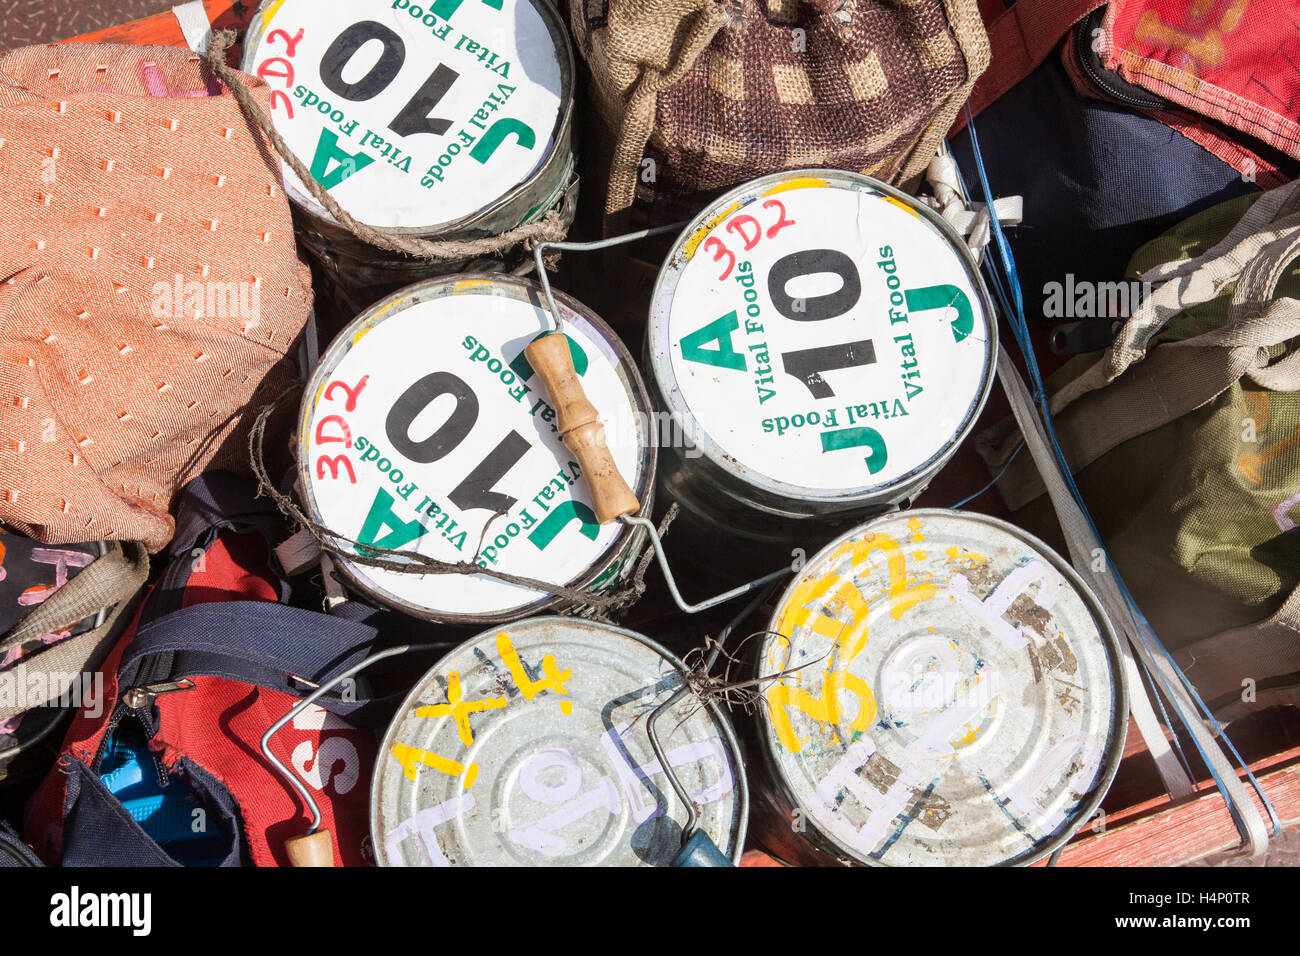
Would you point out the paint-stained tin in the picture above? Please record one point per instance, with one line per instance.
(451, 119)
(827, 343)
(527, 745)
(424, 419)
(955, 697)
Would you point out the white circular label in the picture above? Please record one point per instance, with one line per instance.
(411, 115)
(429, 420)
(823, 335)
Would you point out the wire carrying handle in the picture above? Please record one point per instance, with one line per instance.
(580, 428)
(697, 848)
(315, 847)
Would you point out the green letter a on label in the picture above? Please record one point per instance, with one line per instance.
(381, 516)
(725, 354)
(348, 163)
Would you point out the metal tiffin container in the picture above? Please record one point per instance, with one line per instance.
(425, 429)
(823, 343)
(942, 690)
(447, 120)
(529, 745)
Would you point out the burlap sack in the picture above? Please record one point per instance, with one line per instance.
(149, 286)
(719, 93)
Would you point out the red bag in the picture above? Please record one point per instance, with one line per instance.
(213, 622)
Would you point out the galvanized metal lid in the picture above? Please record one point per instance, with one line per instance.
(824, 337)
(527, 746)
(424, 419)
(958, 698)
(416, 117)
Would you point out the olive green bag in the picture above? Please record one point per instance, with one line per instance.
(1185, 441)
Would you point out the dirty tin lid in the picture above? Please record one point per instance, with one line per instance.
(961, 699)
(414, 116)
(423, 419)
(824, 336)
(527, 745)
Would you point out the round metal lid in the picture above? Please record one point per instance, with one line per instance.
(527, 745)
(823, 336)
(423, 419)
(416, 117)
(959, 699)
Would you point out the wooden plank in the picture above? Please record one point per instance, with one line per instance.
(1191, 831)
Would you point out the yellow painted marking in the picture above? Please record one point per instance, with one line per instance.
(408, 757)
(825, 708)
(459, 709)
(271, 11)
(903, 206)
(374, 319)
(804, 182)
(554, 680)
(956, 554)
(702, 233)
(902, 597)
(470, 284)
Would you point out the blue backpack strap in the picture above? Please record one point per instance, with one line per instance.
(261, 643)
(220, 500)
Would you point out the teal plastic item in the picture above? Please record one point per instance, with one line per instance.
(701, 851)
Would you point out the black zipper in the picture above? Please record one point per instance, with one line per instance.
(120, 712)
(1107, 81)
(168, 596)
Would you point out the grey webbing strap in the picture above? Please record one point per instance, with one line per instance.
(111, 581)
(195, 27)
(1082, 544)
(1103, 408)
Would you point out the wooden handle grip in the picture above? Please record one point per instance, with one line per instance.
(580, 427)
(311, 849)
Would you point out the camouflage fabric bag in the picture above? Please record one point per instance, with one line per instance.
(717, 93)
(1185, 440)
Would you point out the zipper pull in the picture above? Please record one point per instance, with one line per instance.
(137, 697)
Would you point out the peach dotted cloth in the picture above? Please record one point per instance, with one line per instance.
(150, 287)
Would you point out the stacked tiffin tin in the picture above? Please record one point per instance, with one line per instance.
(446, 121)
(932, 687)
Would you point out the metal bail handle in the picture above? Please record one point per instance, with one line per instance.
(315, 847)
(580, 428)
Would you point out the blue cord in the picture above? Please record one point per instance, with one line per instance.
(1013, 308)
(996, 479)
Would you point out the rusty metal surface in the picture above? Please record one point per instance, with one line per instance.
(527, 745)
(957, 698)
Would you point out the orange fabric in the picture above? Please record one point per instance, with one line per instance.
(150, 287)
